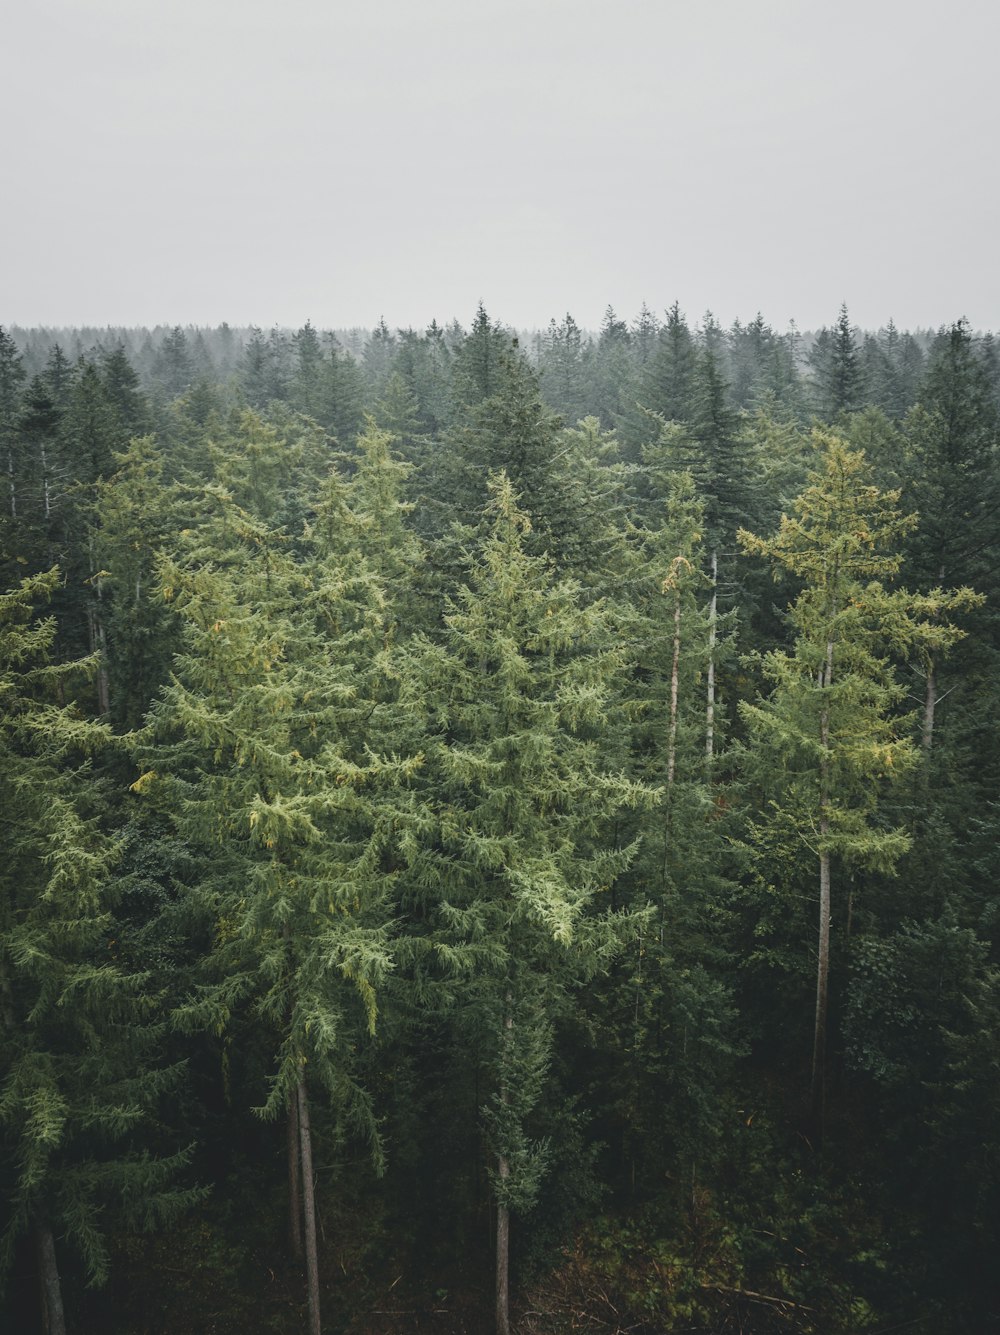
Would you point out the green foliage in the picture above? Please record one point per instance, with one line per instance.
(262, 749)
(80, 1035)
(431, 829)
(512, 869)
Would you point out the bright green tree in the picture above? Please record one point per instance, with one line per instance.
(828, 740)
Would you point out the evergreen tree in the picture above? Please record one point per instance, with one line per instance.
(12, 377)
(509, 870)
(378, 359)
(307, 383)
(612, 370)
(952, 479)
(265, 750)
(669, 1012)
(174, 363)
(564, 368)
(837, 370)
(136, 516)
(668, 385)
(478, 362)
(77, 1036)
(827, 741)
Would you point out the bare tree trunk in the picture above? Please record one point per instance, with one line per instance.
(931, 697)
(503, 1259)
(45, 486)
(53, 1317)
(710, 705)
(930, 703)
(503, 1214)
(294, 1182)
(818, 1089)
(309, 1209)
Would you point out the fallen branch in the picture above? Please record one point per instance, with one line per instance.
(759, 1297)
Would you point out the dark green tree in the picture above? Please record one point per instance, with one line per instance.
(511, 870)
(79, 1039)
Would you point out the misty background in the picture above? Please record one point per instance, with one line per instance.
(212, 161)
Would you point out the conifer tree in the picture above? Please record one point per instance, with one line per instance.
(477, 361)
(837, 369)
(174, 363)
(307, 382)
(12, 376)
(828, 740)
(564, 367)
(78, 1041)
(671, 1014)
(716, 453)
(515, 857)
(952, 479)
(265, 750)
(612, 370)
(136, 514)
(668, 386)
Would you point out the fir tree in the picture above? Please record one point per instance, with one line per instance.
(265, 751)
(829, 732)
(510, 870)
(77, 1035)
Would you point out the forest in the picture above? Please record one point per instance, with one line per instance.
(501, 829)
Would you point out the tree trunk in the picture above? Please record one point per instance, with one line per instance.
(930, 703)
(710, 705)
(53, 1318)
(309, 1209)
(503, 1259)
(931, 697)
(818, 1089)
(503, 1214)
(45, 488)
(294, 1182)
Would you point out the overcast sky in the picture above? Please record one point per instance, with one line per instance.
(193, 161)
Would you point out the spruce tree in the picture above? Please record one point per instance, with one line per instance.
(268, 750)
(514, 861)
(828, 740)
(78, 1037)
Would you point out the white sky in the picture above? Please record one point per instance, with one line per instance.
(193, 161)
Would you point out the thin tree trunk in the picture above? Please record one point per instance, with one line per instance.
(503, 1259)
(309, 1209)
(930, 703)
(710, 705)
(53, 1317)
(931, 697)
(503, 1214)
(45, 485)
(294, 1182)
(818, 1089)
